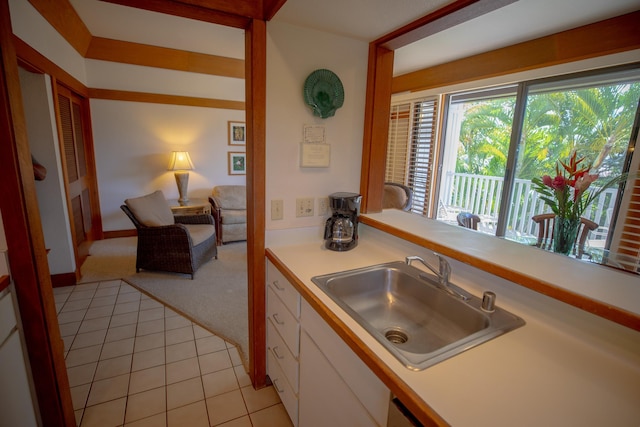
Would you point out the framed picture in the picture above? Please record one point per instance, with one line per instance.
(237, 133)
(237, 163)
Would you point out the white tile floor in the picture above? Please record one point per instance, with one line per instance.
(132, 361)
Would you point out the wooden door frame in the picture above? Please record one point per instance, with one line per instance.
(255, 84)
(95, 232)
(25, 242)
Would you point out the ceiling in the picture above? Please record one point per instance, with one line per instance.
(367, 20)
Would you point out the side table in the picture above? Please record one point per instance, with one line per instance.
(190, 207)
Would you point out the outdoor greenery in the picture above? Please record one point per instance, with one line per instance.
(595, 121)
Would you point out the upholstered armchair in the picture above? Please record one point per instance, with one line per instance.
(179, 244)
(229, 210)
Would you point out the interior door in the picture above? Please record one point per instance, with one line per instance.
(78, 168)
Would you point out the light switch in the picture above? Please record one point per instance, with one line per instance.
(276, 210)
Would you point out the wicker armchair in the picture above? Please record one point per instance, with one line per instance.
(179, 247)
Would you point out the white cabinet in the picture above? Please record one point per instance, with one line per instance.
(336, 387)
(283, 339)
(319, 379)
(16, 405)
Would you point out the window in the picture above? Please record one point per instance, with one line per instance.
(496, 140)
(477, 136)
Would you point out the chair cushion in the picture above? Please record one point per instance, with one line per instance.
(200, 232)
(394, 197)
(230, 196)
(233, 216)
(151, 210)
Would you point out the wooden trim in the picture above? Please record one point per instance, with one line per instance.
(36, 62)
(398, 387)
(376, 127)
(63, 279)
(66, 21)
(119, 233)
(206, 14)
(237, 13)
(270, 8)
(447, 16)
(26, 248)
(157, 98)
(615, 314)
(256, 93)
(5, 281)
(162, 57)
(606, 37)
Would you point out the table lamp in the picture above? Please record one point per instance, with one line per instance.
(181, 163)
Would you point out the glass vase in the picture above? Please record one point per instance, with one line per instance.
(565, 232)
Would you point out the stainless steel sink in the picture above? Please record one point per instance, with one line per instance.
(405, 310)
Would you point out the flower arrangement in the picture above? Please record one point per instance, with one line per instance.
(566, 194)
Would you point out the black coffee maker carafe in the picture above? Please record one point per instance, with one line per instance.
(341, 230)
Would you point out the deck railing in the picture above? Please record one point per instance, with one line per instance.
(480, 195)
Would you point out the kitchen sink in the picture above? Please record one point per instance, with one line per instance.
(407, 311)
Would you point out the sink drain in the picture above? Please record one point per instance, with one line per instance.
(396, 336)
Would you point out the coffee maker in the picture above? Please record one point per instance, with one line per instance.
(341, 230)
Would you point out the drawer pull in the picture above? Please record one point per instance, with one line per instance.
(278, 355)
(277, 285)
(275, 385)
(278, 321)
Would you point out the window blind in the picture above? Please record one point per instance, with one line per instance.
(411, 149)
(629, 244)
(398, 144)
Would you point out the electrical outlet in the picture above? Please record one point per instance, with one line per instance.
(304, 206)
(276, 210)
(323, 206)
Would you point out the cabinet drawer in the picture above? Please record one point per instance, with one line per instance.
(284, 322)
(285, 290)
(281, 385)
(283, 356)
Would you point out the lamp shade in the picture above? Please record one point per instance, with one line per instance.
(180, 161)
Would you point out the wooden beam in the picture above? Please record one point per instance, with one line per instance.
(157, 98)
(248, 8)
(190, 11)
(64, 18)
(271, 7)
(417, 29)
(256, 95)
(162, 57)
(376, 127)
(606, 37)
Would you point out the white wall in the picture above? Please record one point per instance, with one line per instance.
(37, 97)
(292, 54)
(133, 142)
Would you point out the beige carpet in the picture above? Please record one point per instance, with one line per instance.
(216, 298)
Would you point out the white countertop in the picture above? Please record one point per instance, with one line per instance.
(565, 367)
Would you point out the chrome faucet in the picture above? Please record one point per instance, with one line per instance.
(443, 273)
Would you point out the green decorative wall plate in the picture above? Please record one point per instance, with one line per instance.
(323, 92)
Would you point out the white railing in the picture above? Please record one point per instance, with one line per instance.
(480, 195)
